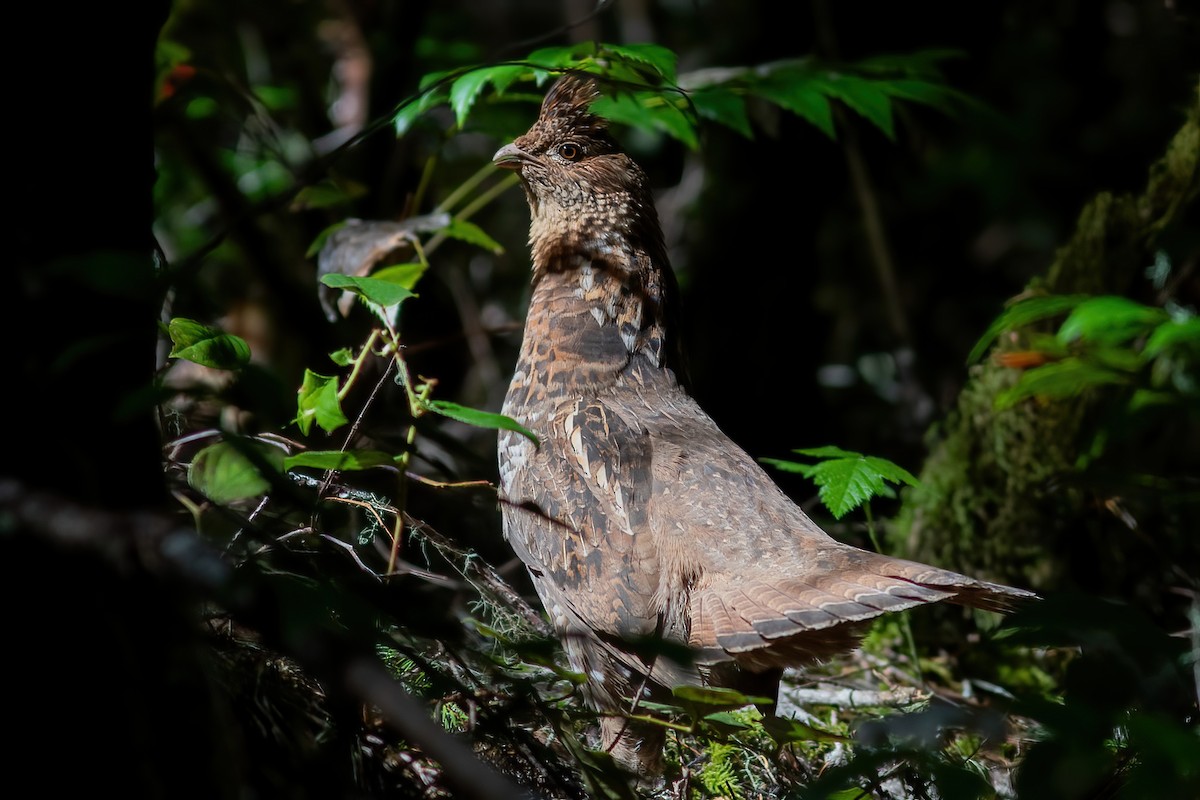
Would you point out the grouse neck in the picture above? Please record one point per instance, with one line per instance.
(598, 314)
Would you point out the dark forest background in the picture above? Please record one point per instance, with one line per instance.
(187, 163)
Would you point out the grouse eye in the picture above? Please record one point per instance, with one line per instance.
(570, 151)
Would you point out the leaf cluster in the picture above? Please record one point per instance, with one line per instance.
(1152, 352)
(647, 92)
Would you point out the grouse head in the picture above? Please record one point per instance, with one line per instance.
(581, 187)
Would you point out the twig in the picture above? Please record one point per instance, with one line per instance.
(845, 697)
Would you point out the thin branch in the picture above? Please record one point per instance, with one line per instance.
(846, 697)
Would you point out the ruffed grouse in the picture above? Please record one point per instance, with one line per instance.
(635, 515)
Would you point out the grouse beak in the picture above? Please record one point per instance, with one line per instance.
(510, 157)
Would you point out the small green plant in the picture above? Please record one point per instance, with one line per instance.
(1152, 353)
(845, 479)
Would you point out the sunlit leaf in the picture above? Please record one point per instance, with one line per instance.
(405, 275)
(317, 401)
(431, 79)
(661, 59)
(207, 346)
(560, 57)
(846, 479)
(471, 233)
(845, 484)
(465, 90)
(377, 290)
(632, 109)
(407, 115)
(637, 64)
(1109, 320)
(481, 419)
(783, 465)
(341, 460)
(1173, 335)
(504, 76)
(224, 472)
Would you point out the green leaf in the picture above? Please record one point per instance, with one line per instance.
(481, 419)
(930, 94)
(728, 719)
(343, 357)
(1065, 378)
(317, 401)
(723, 106)
(471, 233)
(407, 115)
(864, 97)
(1150, 399)
(1109, 320)
(374, 289)
(1121, 359)
(853, 793)
(704, 700)
(660, 59)
(1022, 313)
(326, 193)
(1173, 335)
(807, 470)
(465, 90)
(224, 472)
(846, 479)
(844, 484)
(504, 76)
(800, 95)
(637, 64)
(207, 346)
(646, 110)
(828, 451)
(432, 79)
(341, 460)
(405, 275)
(321, 238)
(786, 730)
(560, 57)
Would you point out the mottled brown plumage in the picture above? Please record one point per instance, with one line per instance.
(635, 515)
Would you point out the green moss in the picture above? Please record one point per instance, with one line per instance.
(1000, 494)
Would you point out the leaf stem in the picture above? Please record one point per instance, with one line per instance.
(467, 186)
(359, 361)
(416, 399)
